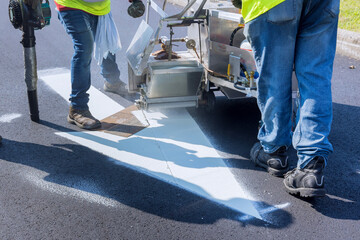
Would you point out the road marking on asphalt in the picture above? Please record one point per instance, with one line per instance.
(58, 79)
(173, 149)
(76, 187)
(7, 118)
(265, 211)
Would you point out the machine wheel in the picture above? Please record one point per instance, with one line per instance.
(209, 100)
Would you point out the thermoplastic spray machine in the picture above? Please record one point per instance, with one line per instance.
(218, 57)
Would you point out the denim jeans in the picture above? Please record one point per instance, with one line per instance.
(81, 27)
(295, 35)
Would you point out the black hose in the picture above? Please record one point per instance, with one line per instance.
(34, 107)
(233, 35)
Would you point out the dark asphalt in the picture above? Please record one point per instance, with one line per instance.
(52, 188)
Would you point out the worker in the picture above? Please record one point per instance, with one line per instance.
(79, 18)
(287, 36)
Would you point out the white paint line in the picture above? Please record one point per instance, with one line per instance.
(100, 105)
(134, 152)
(172, 149)
(274, 208)
(7, 118)
(265, 211)
(340, 198)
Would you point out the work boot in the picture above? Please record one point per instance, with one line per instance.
(83, 119)
(307, 182)
(118, 88)
(275, 163)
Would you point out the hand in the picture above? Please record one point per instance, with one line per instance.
(136, 9)
(237, 3)
(32, 3)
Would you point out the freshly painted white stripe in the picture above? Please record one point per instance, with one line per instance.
(7, 118)
(265, 211)
(100, 105)
(173, 149)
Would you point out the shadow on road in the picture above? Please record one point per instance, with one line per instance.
(231, 121)
(235, 122)
(85, 170)
(343, 171)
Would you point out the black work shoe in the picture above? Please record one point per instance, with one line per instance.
(83, 119)
(307, 182)
(275, 163)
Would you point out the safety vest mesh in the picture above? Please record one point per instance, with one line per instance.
(254, 8)
(95, 8)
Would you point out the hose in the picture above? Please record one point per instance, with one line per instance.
(233, 35)
(207, 69)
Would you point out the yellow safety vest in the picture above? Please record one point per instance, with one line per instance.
(254, 8)
(95, 8)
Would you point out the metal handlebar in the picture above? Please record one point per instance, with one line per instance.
(166, 17)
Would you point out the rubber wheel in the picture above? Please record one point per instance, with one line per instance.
(210, 99)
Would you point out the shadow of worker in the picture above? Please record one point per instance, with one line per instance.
(79, 168)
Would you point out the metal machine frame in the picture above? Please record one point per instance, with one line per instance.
(218, 58)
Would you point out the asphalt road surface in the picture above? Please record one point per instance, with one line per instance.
(55, 184)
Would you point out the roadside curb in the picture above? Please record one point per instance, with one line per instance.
(348, 42)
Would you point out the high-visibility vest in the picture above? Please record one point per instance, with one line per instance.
(254, 8)
(95, 8)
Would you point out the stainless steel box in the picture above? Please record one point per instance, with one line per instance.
(173, 78)
(215, 36)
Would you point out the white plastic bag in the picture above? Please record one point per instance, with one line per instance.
(107, 39)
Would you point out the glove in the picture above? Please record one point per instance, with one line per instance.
(32, 3)
(136, 9)
(237, 3)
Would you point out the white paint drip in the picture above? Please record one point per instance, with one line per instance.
(7, 118)
(340, 198)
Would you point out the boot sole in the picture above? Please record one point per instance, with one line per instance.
(72, 121)
(306, 192)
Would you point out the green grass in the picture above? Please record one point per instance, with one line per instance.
(350, 15)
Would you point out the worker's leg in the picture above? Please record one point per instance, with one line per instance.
(80, 26)
(110, 70)
(315, 51)
(272, 37)
(111, 74)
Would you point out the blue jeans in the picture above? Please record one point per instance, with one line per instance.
(81, 27)
(295, 35)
